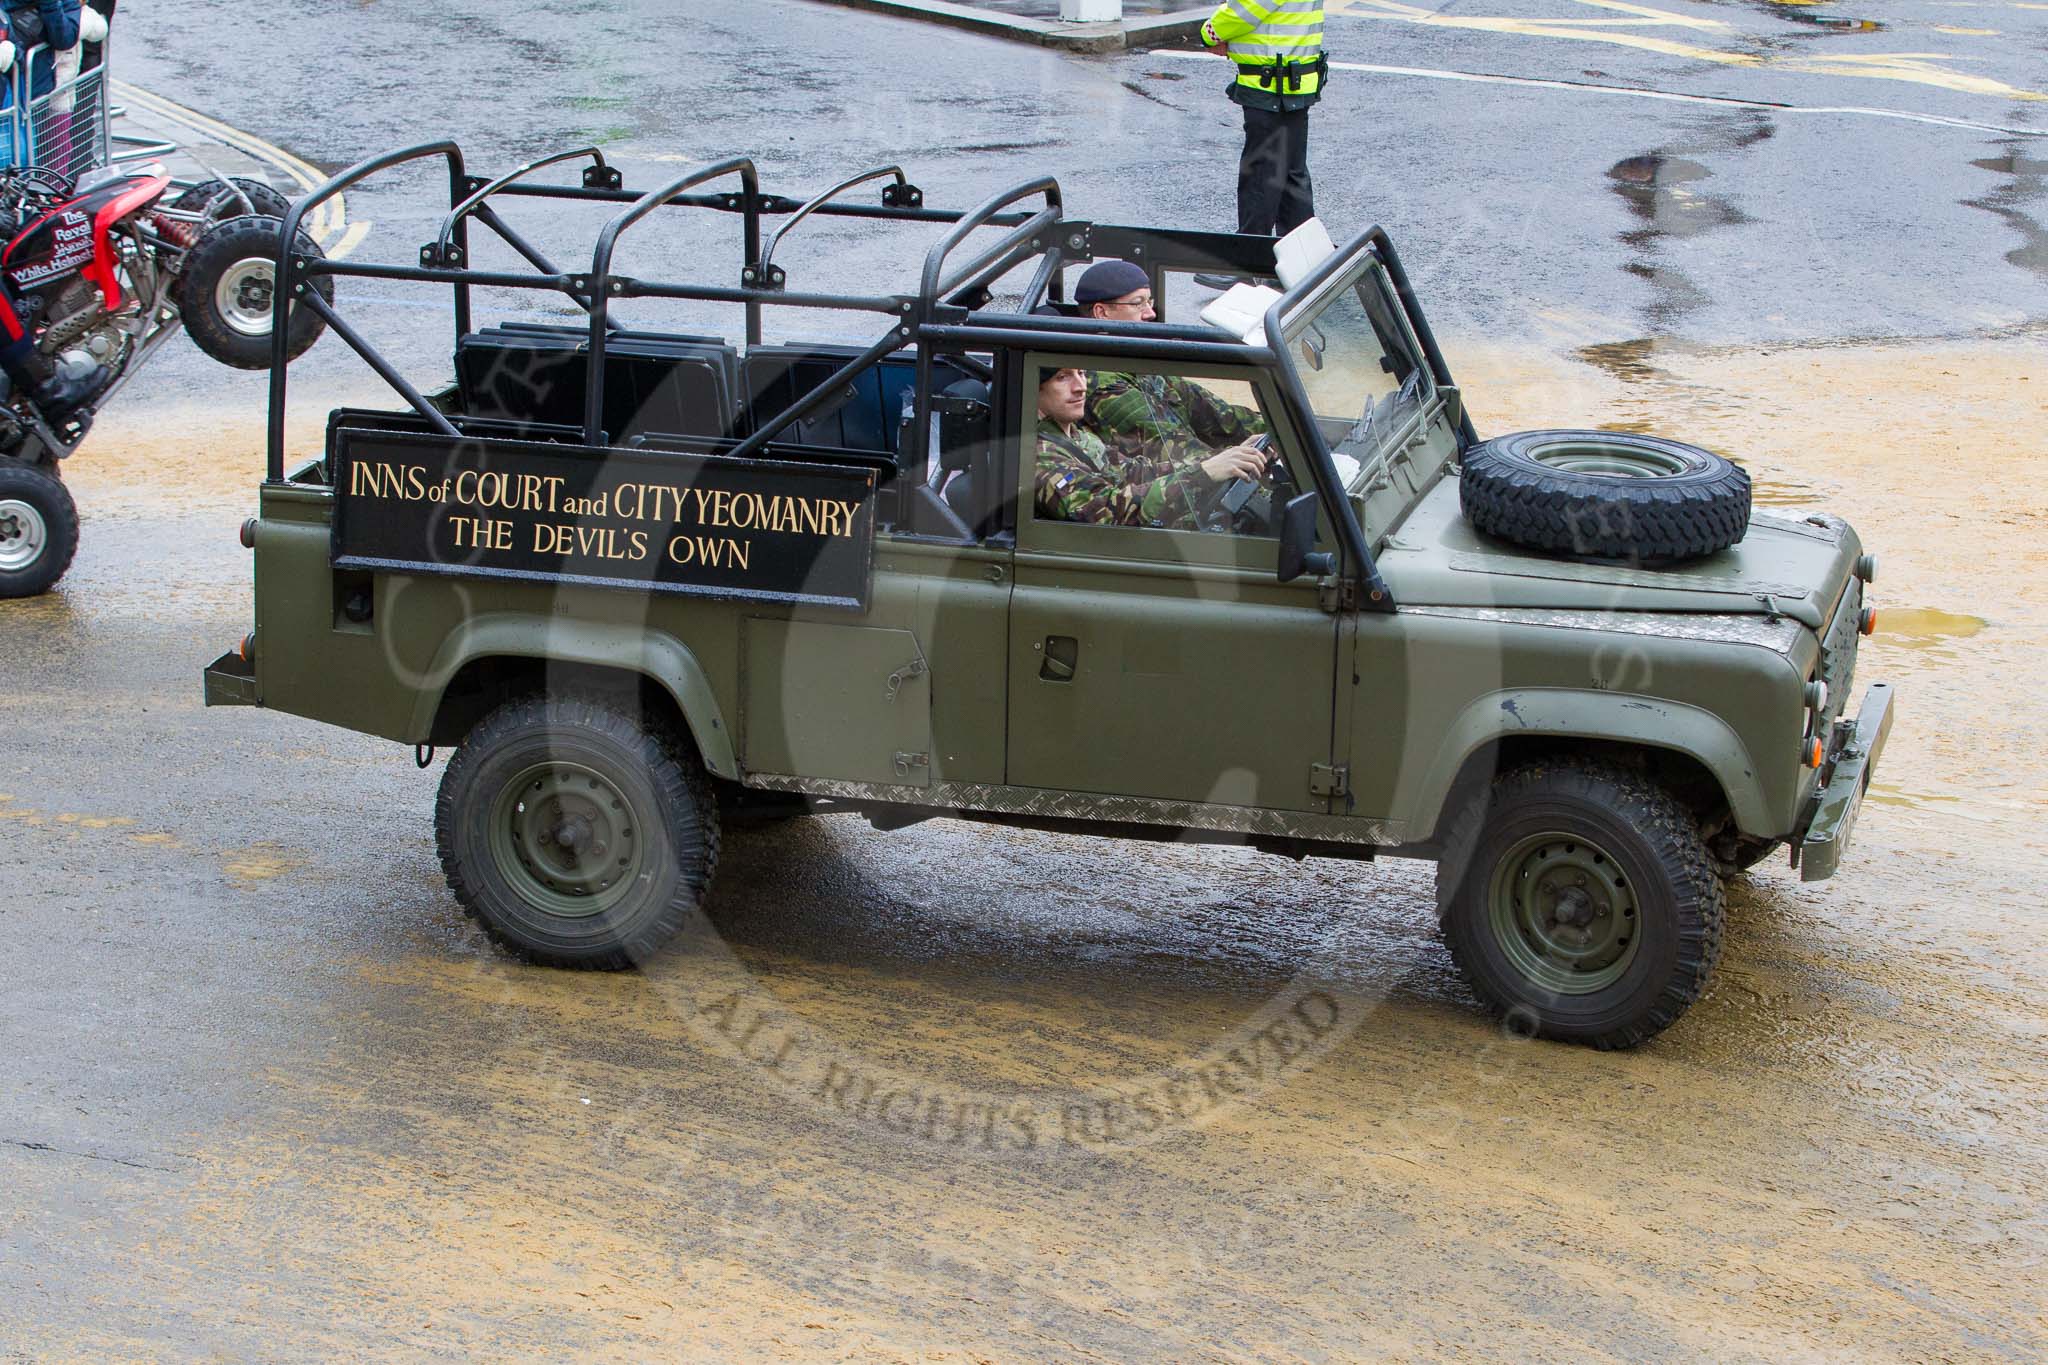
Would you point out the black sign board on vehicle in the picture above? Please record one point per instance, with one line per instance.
(659, 521)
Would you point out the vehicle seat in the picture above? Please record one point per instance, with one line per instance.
(655, 382)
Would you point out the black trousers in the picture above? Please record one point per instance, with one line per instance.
(1274, 195)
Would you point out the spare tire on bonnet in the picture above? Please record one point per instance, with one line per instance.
(1605, 495)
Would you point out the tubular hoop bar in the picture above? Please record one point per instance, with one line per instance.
(768, 204)
(469, 205)
(933, 282)
(601, 267)
(982, 216)
(290, 281)
(816, 202)
(1046, 281)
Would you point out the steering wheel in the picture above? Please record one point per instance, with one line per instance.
(1244, 506)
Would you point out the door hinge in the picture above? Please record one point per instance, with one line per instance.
(1337, 594)
(916, 668)
(1329, 779)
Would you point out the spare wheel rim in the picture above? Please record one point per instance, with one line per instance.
(23, 535)
(1617, 461)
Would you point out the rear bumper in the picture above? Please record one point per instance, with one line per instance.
(1817, 851)
(231, 681)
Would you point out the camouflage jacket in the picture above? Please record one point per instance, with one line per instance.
(1079, 480)
(1163, 418)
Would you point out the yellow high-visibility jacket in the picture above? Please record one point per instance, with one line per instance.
(1278, 48)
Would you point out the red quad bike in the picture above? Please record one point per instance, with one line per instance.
(101, 274)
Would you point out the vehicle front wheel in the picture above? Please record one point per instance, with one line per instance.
(1581, 904)
(38, 529)
(575, 834)
(227, 287)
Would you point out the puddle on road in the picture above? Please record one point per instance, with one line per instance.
(1783, 492)
(1835, 23)
(1926, 628)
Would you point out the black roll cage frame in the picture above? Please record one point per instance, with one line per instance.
(941, 315)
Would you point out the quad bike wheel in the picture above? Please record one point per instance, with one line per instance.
(219, 201)
(227, 289)
(38, 529)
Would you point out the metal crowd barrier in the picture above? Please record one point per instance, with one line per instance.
(64, 129)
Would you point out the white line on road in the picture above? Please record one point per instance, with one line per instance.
(329, 225)
(1577, 87)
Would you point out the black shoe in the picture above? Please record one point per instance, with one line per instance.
(1208, 281)
(62, 397)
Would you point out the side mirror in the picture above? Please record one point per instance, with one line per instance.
(1298, 538)
(1313, 346)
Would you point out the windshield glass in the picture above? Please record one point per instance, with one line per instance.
(1358, 363)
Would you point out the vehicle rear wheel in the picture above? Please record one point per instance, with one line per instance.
(1605, 495)
(574, 834)
(38, 529)
(1581, 904)
(226, 289)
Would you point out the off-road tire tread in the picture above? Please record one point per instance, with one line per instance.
(60, 524)
(1673, 836)
(265, 198)
(1648, 520)
(220, 246)
(672, 769)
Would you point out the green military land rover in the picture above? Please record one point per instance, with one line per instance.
(644, 581)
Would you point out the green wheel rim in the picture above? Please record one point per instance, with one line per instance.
(1613, 461)
(1564, 914)
(568, 839)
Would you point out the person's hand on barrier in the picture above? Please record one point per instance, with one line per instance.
(6, 54)
(92, 25)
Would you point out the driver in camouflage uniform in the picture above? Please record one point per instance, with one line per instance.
(1153, 418)
(1078, 479)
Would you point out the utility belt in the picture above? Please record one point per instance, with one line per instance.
(1285, 76)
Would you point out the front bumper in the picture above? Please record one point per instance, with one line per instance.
(231, 681)
(1818, 850)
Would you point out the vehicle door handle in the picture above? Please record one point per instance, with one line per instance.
(1062, 653)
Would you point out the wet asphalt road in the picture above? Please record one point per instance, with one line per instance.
(266, 1096)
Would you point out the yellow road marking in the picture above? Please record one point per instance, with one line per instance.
(328, 225)
(350, 240)
(1917, 67)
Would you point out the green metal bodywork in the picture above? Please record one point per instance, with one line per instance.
(1149, 675)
